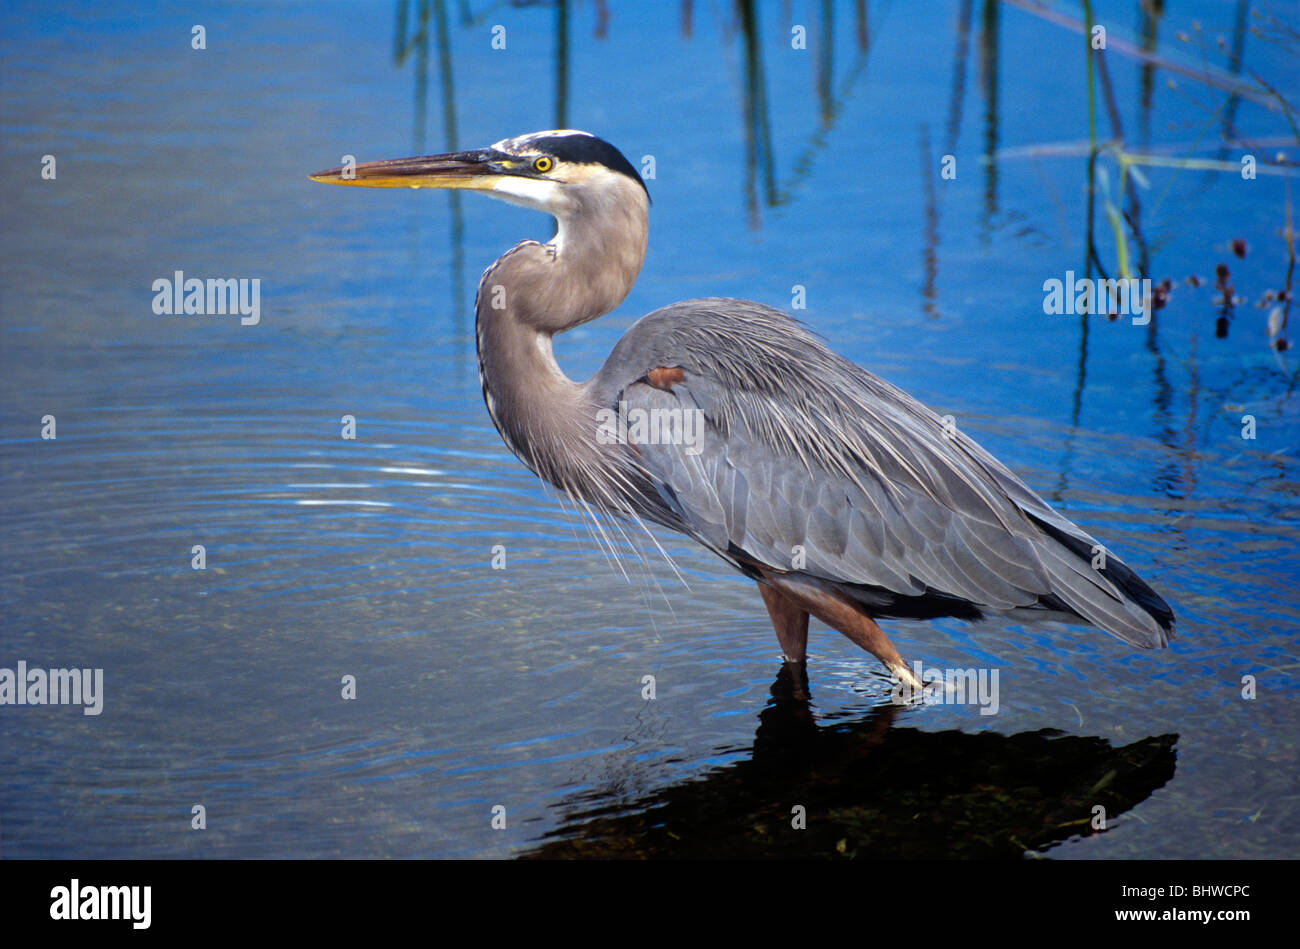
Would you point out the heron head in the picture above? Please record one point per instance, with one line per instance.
(557, 172)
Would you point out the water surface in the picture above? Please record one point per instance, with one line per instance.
(371, 557)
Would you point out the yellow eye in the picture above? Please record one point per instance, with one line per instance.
(543, 164)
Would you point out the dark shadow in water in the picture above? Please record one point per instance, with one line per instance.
(872, 790)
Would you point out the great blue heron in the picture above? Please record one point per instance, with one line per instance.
(841, 495)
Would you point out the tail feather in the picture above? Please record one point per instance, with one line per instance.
(1140, 616)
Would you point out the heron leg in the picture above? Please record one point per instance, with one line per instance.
(838, 612)
(864, 631)
(789, 620)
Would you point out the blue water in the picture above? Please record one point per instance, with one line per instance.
(371, 557)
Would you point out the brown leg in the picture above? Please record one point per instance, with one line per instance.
(789, 621)
(839, 613)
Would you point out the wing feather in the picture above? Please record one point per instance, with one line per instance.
(804, 451)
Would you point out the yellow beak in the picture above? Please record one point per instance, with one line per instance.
(477, 170)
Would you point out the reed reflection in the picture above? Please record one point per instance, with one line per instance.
(412, 36)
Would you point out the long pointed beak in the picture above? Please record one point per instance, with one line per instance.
(477, 170)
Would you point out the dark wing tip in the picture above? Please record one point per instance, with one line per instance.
(1134, 588)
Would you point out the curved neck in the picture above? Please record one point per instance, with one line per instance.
(532, 292)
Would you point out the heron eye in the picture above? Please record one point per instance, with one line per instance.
(543, 164)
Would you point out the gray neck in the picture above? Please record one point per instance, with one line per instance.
(532, 292)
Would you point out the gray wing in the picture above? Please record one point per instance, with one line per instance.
(808, 463)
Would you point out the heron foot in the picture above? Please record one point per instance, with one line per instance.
(907, 677)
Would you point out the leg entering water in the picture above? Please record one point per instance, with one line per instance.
(837, 612)
(789, 621)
